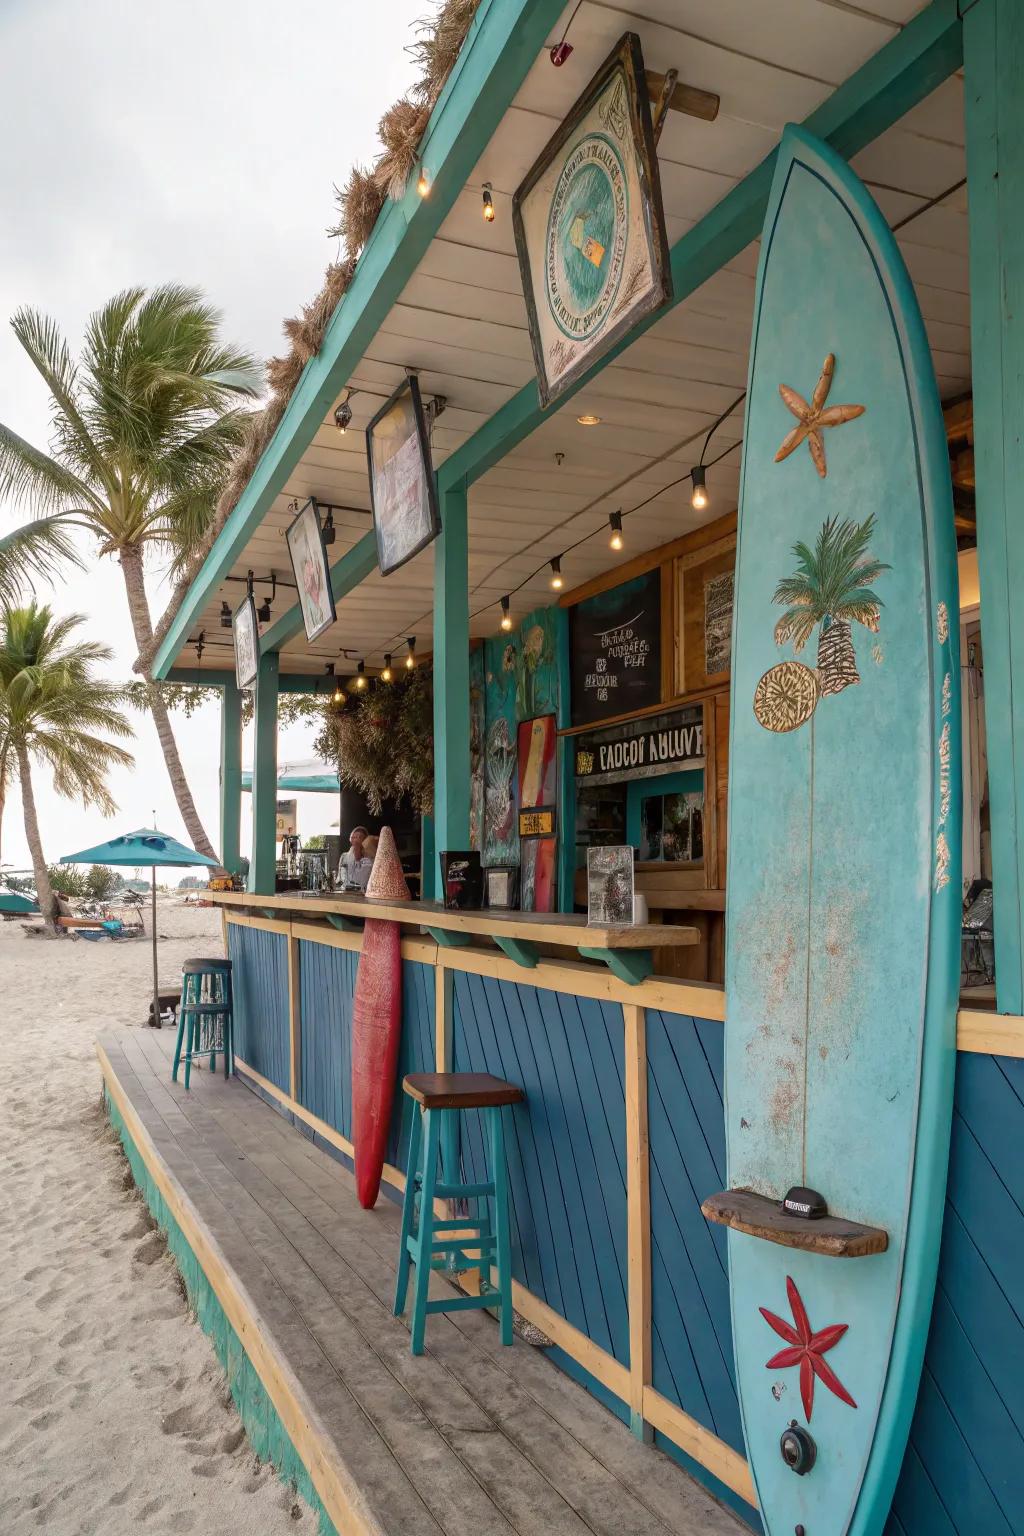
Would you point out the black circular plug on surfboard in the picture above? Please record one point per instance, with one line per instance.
(799, 1451)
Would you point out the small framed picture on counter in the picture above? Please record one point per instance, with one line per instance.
(501, 886)
(610, 887)
(461, 881)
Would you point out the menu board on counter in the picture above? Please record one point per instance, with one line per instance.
(615, 650)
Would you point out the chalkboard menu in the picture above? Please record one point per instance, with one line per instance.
(615, 649)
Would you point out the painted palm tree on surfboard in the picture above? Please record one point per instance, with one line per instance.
(832, 587)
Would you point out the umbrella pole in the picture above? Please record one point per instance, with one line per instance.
(156, 984)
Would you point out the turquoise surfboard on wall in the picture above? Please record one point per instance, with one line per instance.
(843, 922)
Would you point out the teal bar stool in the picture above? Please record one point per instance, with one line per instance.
(433, 1242)
(204, 1016)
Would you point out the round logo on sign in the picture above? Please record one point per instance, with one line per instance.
(586, 237)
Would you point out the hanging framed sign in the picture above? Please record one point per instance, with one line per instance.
(590, 227)
(246, 635)
(402, 493)
(308, 554)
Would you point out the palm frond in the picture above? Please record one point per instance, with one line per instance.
(29, 477)
(44, 344)
(33, 553)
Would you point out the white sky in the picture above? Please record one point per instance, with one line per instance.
(188, 140)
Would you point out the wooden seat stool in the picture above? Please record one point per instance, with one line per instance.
(433, 1242)
(205, 1017)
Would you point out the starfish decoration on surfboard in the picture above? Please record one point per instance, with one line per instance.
(811, 419)
(806, 1349)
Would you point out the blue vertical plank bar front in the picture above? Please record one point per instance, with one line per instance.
(994, 120)
(230, 776)
(262, 867)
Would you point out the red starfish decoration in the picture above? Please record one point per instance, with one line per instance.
(806, 1350)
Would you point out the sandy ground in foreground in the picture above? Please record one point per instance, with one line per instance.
(114, 1411)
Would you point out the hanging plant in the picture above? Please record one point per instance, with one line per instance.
(383, 742)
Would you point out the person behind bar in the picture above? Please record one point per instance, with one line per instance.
(354, 868)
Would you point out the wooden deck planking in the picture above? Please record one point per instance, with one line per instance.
(469, 1437)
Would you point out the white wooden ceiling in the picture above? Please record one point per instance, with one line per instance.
(461, 321)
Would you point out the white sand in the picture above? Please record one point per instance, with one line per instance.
(114, 1412)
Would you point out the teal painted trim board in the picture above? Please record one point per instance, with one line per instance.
(994, 115)
(263, 865)
(926, 52)
(267, 1435)
(451, 674)
(230, 777)
(688, 782)
(287, 682)
(503, 42)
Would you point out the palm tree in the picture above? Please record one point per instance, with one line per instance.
(52, 706)
(144, 427)
(832, 587)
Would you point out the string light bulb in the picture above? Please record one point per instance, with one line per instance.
(615, 524)
(699, 495)
(506, 616)
(488, 204)
(343, 415)
(422, 184)
(410, 660)
(361, 674)
(386, 674)
(337, 691)
(556, 573)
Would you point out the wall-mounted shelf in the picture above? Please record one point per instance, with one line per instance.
(759, 1216)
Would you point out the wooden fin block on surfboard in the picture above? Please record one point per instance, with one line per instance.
(759, 1216)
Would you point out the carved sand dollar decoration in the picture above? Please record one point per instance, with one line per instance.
(786, 696)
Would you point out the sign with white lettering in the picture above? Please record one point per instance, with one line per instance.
(589, 226)
(641, 749)
(615, 649)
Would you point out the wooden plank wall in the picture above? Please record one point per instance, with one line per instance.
(326, 988)
(260, 980)
(418, 1049)
(566, 1150)
(690, 1320)
(963, 1474)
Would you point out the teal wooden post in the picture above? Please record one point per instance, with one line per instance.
(994, 119)
(451, 675)
(264, 779)
(451, 715)
(230, 776)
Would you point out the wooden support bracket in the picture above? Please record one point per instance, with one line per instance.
(682, 98)
(630, 965)
(445, 938)
(520, 950)
(344, 924)
(269, 912)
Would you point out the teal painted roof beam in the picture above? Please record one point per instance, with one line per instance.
(917, 60)
(504, 40)
(288, 682)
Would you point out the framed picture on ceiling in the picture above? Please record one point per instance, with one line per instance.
(246, 635)
(590, 227)
(308, 555)
(402, 493)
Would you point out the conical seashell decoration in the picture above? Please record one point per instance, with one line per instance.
(387, 882)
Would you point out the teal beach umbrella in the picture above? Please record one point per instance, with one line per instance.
(149, 848)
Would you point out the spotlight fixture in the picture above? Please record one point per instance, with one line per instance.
(699, 495)
(327, 532)
(200, 644)
(556, 573)
(343, 413)
(506, 617)
(422, 184)
(225, 616)
(589, 421)
(615, 524)
(361, 674)
(386, 674)
(410, 660)
(263, 611)
(488, 204)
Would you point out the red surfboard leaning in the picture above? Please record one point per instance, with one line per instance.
(377, 1024)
